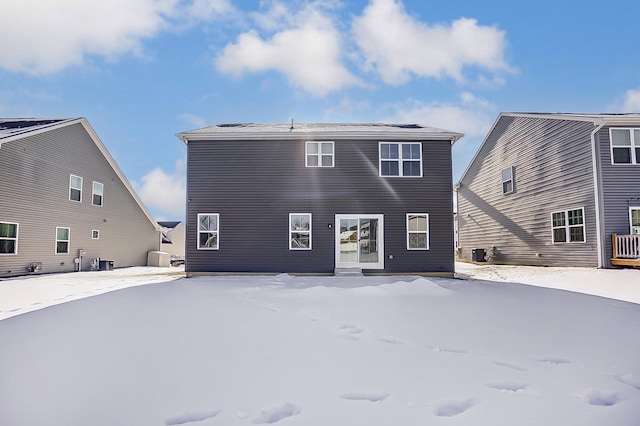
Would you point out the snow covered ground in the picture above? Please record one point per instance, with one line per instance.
(321, 350)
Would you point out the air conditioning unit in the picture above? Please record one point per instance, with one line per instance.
(635, 230)
(35, 267)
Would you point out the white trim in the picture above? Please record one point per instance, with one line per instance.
(94, 232)
(216, 231)
(71, 187)
(400, 160)
(292, 231)
(15, 247)
(380, 241)
(426, 215)
(596, 162)
(567, 227)
(631, 208)
(68, 240)
(319, 155)
(634, 145)
(93, 193)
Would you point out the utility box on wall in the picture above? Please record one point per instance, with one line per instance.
(478, 255)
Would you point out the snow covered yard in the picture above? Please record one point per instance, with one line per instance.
(320, 351)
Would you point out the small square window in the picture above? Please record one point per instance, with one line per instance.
(95, 234)
(319, 154)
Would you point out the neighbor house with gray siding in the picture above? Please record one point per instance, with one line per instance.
(554, 189)
(65, 202)
(316, 198)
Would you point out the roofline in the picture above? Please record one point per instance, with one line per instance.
(28, 131)
(103, 149)
(297, 134)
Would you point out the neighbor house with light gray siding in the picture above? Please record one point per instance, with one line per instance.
(319, 198)
(65, 202)
(553, 189)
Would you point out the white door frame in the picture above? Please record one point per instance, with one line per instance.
(380, 241)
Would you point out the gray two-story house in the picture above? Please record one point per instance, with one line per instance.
(316, 198)
(65, 205)
(553, 189)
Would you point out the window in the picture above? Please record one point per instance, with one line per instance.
(507, 180)
(98, 190)
(299, 231)
(208, 231)
(8, 238)
(319, 154)
(417, 231)
(625, 146)
(75, 188)
(62, 240)
(400, 159)
(634, 220)
(568, 226)
(95, 234)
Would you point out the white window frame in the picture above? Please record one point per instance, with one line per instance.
(319, 154)
(94, 193)
(15, 245)
(400, 160)
(634, 135)
(215, 231)
(509, 179)
(71, 187)
(68, 240)
(567, 227)
(298, 231)
(410, 232)
(95, 234)
(631, 209)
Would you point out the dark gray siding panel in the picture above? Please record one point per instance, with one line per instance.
(254, 185)
(552, 162)
(34, 177)
(620, 190)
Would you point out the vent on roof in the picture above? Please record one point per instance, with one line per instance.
(232, 125)
(407, 126)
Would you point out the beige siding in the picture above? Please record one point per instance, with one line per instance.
(553, 171)
(34, 174)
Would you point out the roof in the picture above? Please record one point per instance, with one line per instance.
(294, 131)
(13, 129)
(171, 224)
(598, 119)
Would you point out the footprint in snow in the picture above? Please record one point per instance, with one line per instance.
(453, 407)
(627, 379)
(509, 365)
(365, 396)
(351, 331)
(450, 350)
(191, 417)
(554, 360)
(601, 398)
(507, 386)
(275, 413)
(391, 340)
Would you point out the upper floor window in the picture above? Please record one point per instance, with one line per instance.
(8, 238)
(75, 188)
(62, 240)
(300, 231)
(417, 231)
(319, 154)
(400, 159)
(625, 146)
(568, 226)
(208, 231)
(98, 190)
(507, 180)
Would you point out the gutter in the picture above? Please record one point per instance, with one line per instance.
(596, 192)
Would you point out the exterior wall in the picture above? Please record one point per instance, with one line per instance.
(553, 171)
(34, 174)
(254, 185)
(177, 236)
(620, 190)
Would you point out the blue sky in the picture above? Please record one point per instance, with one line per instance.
(143, 70)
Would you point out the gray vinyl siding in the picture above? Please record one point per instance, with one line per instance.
(620, 190)
(254, 185)
(553, 172)
(34, 174)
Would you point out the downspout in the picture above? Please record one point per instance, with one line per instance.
(596, 192)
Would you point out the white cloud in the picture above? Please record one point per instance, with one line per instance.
(470, 115)
(193, 120)
(631, 101)
(307, 48)
(398, 46)
(48, 36)
(164, 193)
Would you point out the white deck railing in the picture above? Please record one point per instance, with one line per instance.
(626, 246)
